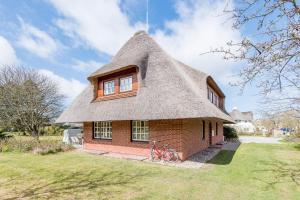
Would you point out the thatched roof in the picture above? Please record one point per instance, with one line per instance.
(238, 115)
(168, 89)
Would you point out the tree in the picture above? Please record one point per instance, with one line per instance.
(230, 132)
(28, 99)
(270, 51)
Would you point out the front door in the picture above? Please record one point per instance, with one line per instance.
(210, 133)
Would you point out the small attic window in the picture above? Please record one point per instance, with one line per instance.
(109, 87)
(126, 84)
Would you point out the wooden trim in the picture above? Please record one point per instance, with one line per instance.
(114, 71)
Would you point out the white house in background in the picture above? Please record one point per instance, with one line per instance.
(244, 121)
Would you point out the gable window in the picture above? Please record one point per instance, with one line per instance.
(215, 99)
(126, 84)
(109, 87)
(140, 130)
(103, 130)
(211, 96)
(203, 130)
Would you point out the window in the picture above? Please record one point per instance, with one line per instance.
(208, 92)
(215, 99)
(140, 130)
(109, 87)
(103, 130)
(216, 128)
(211, 97)
(203, 130)
(126, 84)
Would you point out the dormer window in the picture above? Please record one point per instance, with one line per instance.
(109, 87)
(126, 84)
(213, 97)
(120, 84)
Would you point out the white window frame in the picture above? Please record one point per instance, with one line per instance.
(109, 87)
(126, 84)
(211, 96)
(103, 130)
(140, 131)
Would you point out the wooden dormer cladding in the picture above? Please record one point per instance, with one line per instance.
(214, 94)
(115, 77)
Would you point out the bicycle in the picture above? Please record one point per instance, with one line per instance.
(164, 153)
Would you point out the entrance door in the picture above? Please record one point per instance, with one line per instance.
(210, 133)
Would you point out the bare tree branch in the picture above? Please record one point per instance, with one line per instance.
(28, 100)
(272, 56)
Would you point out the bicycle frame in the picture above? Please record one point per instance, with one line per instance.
(162, 153)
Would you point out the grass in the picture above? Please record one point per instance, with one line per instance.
(254, 171)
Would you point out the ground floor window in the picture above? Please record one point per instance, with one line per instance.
(140, 130)
(103, 130)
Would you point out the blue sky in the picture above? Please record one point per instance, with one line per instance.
(69, 39)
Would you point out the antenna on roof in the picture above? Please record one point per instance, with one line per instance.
(147, 17)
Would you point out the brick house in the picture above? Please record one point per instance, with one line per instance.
(142, 95)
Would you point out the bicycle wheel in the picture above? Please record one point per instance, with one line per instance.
(152, 154)
(170, 155)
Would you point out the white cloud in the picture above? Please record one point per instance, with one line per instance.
(68, 87)
(7, 53)
(200, 27)
(99, 23)
(86, 66)
(37, 41)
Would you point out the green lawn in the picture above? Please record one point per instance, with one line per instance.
(255, 171)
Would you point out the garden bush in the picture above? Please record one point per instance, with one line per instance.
(4, 135)
(28, 144)
(52, 130)
(230, 132)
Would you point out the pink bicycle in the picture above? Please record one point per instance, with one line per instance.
(164, 153)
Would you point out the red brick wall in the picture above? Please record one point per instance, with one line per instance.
(192, 141)
(219, 137)
(192, 137)
(121, 140)
(168, 132)
(184, 135)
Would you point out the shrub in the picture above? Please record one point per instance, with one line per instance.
(4, 135)
(52, 130)
(28, 144)
(230, 132)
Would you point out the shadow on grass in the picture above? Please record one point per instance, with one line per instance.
(224, 157)
(278, 172)
(297, 147)
(70, 185)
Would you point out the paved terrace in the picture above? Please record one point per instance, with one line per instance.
(198, 160)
